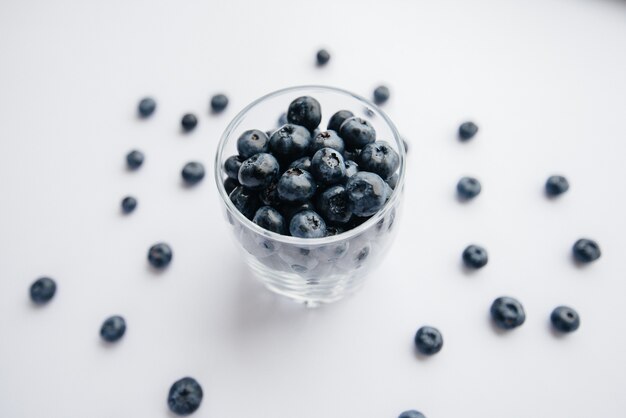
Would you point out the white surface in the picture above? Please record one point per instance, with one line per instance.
(544, 80)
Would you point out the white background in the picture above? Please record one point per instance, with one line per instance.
(544, 80)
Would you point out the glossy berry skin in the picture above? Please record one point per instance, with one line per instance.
(468, 188)
(193, 173)
(113, 329)
(475, 257)
(296, 185)
(245, 200)
(232, 166)
(380, 158)
(219, 102)
(586, 250)
(328, 139)
(323, 56)
(146, 107)
(160, 255)
(411, 414)
(565, 319)
(307, 224)
(134, 159)
(352, 155)
(269, 195)
(467, 130)
(393, 180)
(258, 171)
(381, 94)
(336, 120)
(230, 184)
(42, 290)
(334, 206)
(357, 133)
(252, 142)
(367, 193)
(189, 122)
(129, 204)
(351, 168)
(428, 340)
(556, 185)
(305, 111)
(303, 163)
(269, 218)
(290, 209)
(290, 142)
(507, 313)
(328, 166)
(185, 396)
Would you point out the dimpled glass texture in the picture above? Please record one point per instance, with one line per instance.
(320, 270)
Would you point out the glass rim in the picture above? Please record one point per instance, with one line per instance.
(374, 219)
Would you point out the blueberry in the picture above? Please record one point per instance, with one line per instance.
(381, 94)
(146, 107)
(393, 180)
(134, 159)
(357, 133)
(467, 130)
(113, 329)
(305, 111)
(328, 139)
(129, 204)
(282, 119)
(290, 209)
(322, 57)
(428, 340)
(307, 224)
(565, 319)
(185, 396)
(411, 414)
(258, 171)
(290, 142)
(42, 290)
(269, 194)
(296, 185)
(252, 142)
(332, 230)
(334, 205)
(334, 124)
(230, 184)
(380, 158)
(189, 122)
(160, 255)
(556, 185)
(468, 188)
(586, 250)
(351, 154)
(303, 163)
(351, 168)
(232, 166)
(475, 257)
(269, 218)
(245, 200)
(218, 103)
(328, 166)
(507, 313)
(193, 172)
(367, 193)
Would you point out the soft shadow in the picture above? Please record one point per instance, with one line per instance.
(463, 200)
(468, 271)
(154, 270)
(555, 332)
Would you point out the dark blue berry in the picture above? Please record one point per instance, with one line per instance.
(252, 142)
(336, 120)
(258, 171)
(269, 194)
(290, 142)
(232, 166)
(160, 255)
(146, 107)
(565, 319)
(334, 205)
(270, 219)
(305, 111)
(323, 57)
(218, 103)
(303, 163)
(586, 250)
(282, 119)
(411, 414)
(556, 185)
(328, 166)
(367, 193)
(290, 209)
(507, 313)
(428, 340)
(380, 158)
(351, 168)
(328, 139)
(381, 94)
(193, 172)
(129, 204)
(245, 200)
(185, 396)
(113, 329)
(134, 159)
(189, 122)
(296, 185)
(351, 154)
(307, 224)
(468, 188)
(393, 180)
(332, 230)
(475, 257)
(42, 290)
(230, 184)
(467, 130)
(357, 133)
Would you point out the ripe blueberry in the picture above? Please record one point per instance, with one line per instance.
(380, 158)
(586, 250)
(468, 188)
(232, 166)
(475, 257)
(296, 185)
(381, 94)
(328, 139)
(305, 111)
(357, 133)
(290, 142)
(507, 313)
(219, 103)
(252, 142)
(185, 396)
(327, 166)
(245, 200)
(129, 204)
(270, 219)
(367, 193)
(193, 172)
(303, 163)
(113, 329)
(322, 57)
(134, 159)
(42, 290)
(258, 171)
(307, 224)
(334, 205)
(160, 255)
(565, 319)
(334, 124)
(411, 414)
(189, 122)
(428, 340)
(467, 130)
(230, 184)
(556, 185)
(146, 107)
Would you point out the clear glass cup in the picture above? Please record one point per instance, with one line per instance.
(317, 270)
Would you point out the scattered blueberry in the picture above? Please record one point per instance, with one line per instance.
(556, 185)
(468, 188)
(160, 255)
(146, 107)
(322, 57)
(393, 180)
(258, 171)
(334, 205)
(586, 250)
(380, 158)
(467, 130)
(252, 142)
(230, 184)
(219, 103)
(381, 94)
(307, 224)
(282, 119)
(270, 219)
(305, 111)
(303, 163)
(565, 319)
(134, 159)
(336, 120)
(327, 166)
(42, 290)
(296, 185)
(428, 340)
(475, 257)
(185, 396)
(129, 204)
(357, 133)
(507, 313)
(351, 168)
(290, 142)
(193, 172)
(411, 414)
(367, 193)
(232, 166)
(113, 329)
(189, 122)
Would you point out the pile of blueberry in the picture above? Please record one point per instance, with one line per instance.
(308, 183)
